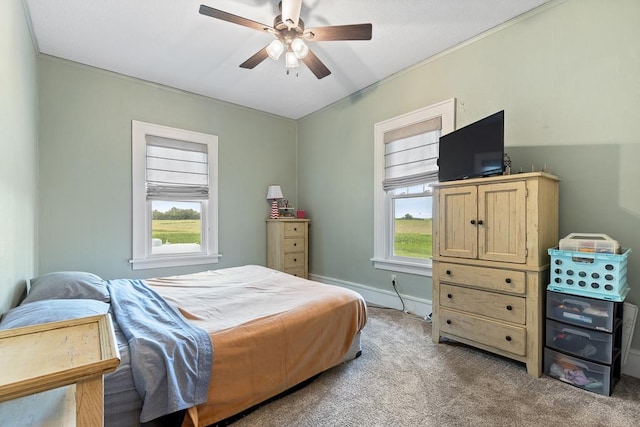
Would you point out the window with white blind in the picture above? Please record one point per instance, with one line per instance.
(405, 160)
(174, 197)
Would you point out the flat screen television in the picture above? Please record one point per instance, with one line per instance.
(473, 151)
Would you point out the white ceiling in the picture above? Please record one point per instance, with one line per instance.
(170, 43)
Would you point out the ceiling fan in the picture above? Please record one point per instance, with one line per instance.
(290, 36)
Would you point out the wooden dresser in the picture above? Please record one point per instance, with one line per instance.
(288, 246)
(490, 262)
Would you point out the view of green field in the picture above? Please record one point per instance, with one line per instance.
(413, 238)
(176, 231)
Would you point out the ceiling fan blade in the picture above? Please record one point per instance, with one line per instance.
(315, 65)
(234, 19)
(291, 12)
(339, 32)
(257, 58)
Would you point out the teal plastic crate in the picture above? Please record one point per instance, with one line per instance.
(593, 275)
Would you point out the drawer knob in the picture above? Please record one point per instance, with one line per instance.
(508, 338)
(295, 259)
(473, 222)
(448, 272)
(448, 322)
(480, 222)
(507, 280)
(449, 296)
(295, 229)
(509, 307)
(295, 244)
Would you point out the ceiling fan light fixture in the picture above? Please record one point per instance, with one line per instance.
(275, 49)
(290, 59)
(300, 49)
(287, 28)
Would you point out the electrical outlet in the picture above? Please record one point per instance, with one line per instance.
(393, 277)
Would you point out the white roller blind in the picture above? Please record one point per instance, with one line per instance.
(411, 154)
(176, 169)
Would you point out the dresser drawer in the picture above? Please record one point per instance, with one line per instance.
(295, 229)
(294, 260)
(577, 341)
(295, 244)
(484, 277)
(484, 331)
(296, 271)
(498, 306)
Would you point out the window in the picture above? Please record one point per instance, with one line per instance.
(175, 200)
(405, 158)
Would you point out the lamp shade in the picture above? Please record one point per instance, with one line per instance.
(290, 59)
(300, 50)
(275, 49)
(274, 192)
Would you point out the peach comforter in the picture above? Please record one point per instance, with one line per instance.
(270, 331)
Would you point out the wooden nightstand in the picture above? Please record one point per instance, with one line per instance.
(48, 356)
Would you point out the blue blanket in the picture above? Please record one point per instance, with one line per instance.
(170, 358)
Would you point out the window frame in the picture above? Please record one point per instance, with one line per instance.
(142, 207)
(383, 204)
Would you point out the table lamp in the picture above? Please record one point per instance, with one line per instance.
(274, 193)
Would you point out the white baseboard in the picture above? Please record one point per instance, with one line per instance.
(418, 306)
(422, 308)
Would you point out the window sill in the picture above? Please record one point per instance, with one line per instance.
(401, 266)
(174, 261)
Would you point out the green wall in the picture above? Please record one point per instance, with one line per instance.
(85, 167)
(18, 147)
(567, 78)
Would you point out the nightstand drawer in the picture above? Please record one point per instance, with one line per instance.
(294, 229)
(294, 260)
(295, 244)
(498, 306)
(484, 331)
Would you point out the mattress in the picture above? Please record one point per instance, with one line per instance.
(270, 331)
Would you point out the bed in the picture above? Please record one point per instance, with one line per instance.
(266, 332)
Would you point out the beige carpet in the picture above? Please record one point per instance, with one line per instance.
(403, 379)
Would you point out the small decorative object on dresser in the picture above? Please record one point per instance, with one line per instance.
(490, 262)
(288, 246)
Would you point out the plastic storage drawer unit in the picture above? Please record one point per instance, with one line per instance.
(590, 376)
(585, 343)
(594, 275)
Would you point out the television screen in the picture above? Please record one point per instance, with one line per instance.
(475, 150)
